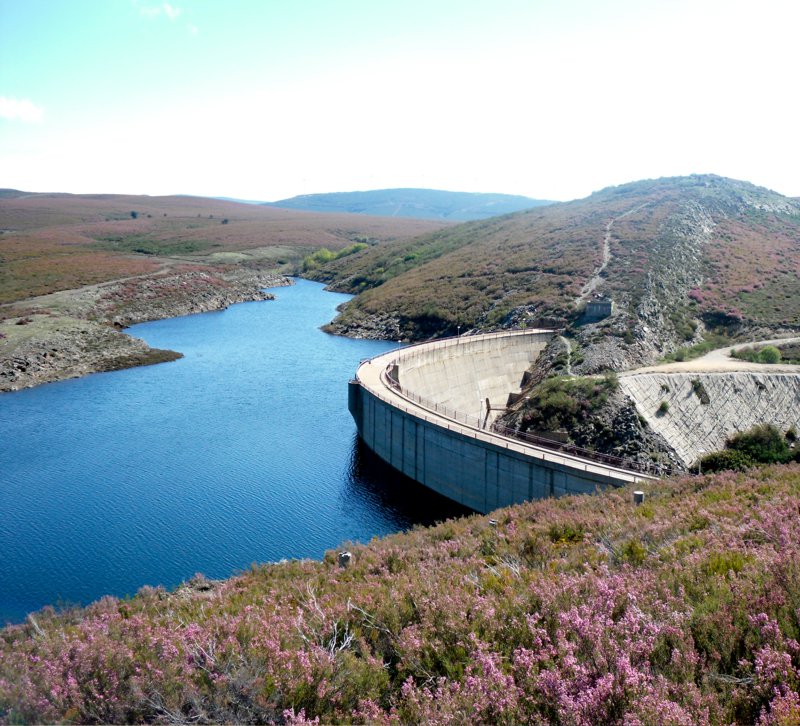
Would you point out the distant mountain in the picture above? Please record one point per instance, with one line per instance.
(417, 203)
(240, 201)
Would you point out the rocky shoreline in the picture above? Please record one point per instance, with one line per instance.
(76, 332)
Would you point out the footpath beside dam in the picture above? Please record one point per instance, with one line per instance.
(423, 409)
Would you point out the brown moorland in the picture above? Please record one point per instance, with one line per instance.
(51, 242)
(684, 254)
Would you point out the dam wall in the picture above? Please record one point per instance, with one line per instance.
(462, 375)
(406, 407)
(704, 409)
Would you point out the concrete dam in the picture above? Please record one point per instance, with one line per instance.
(426, 409)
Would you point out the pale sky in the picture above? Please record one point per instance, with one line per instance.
(267, 99)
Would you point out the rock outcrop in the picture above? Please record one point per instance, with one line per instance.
(76, 332)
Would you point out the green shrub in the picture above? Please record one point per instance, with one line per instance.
(721, 563)
(749, 353)
(663, 407)
(563, 403)
(634, 552)
(323, 255)
(566, 532)
(764, 444)
(700, 391)
(769, 354)
(724, 460)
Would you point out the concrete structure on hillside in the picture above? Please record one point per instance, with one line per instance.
(423, 409)
(599, 308)
(735, 401)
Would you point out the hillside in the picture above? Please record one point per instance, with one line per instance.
(417, 203)
(679, 257)
(683, 610)
(52, 242)
(76, 268)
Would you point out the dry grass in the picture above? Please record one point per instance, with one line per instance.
(477, 273)
(55, 242)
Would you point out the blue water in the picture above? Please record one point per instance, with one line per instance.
(242, 451)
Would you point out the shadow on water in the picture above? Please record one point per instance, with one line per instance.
(389, 493)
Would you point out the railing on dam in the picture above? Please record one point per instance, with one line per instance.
(653, 468)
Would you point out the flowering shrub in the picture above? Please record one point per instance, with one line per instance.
(683, 610)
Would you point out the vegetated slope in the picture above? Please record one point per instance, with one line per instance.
(75, 268)
(52, 242)
(675, 255)
(419, 203)
(683, 610)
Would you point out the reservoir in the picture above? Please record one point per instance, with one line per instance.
(243, 451)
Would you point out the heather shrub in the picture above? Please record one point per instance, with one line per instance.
(579, 610)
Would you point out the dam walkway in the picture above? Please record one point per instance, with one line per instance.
(410, 407)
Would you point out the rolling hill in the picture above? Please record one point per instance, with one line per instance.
(51, 242)
(678, 256)
(416, 203)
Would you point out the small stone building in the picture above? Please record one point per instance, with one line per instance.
(599, 308)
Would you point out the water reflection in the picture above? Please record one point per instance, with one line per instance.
(242, 451)
(389, 493)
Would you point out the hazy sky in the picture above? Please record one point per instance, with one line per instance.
(267, 99)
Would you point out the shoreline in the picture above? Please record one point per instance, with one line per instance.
(72, 333)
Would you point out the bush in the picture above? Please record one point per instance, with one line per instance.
(663, 407)
(323, 255)
(764, 444)
(700, 391)
(769, 354)
(563, 403)
(729, 459)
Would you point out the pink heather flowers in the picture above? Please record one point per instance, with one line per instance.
(684, 610)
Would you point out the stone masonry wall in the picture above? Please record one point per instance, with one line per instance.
(736, 402)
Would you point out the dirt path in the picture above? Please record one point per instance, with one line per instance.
(595, 280)
(720, 361)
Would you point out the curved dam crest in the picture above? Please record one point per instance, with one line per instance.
(423, 410)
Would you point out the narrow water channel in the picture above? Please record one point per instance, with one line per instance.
(243, 451)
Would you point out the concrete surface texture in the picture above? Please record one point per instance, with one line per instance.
(464, 373)
(736, 401)
(444, 448)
